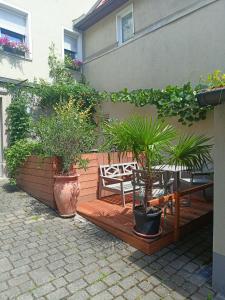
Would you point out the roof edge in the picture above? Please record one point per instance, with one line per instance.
(97, 14)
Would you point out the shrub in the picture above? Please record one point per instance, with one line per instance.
(16, 155)
(67, 133)
(18, 119)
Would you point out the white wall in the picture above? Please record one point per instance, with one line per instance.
(47, 21)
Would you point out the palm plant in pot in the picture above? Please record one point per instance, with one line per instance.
(153, 143)
(67, 133)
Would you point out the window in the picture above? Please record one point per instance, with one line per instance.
(125, 25)
(70, 46)
(14, 33)
(12, 36)
(14, 30)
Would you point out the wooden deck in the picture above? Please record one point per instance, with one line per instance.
(112, 217)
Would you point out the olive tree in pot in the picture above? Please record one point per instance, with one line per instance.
(67, 133)
(153, 143)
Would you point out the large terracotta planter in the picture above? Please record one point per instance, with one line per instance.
(66, 192)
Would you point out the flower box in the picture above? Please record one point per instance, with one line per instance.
(14, 51)
(17, 48)
(211, 96)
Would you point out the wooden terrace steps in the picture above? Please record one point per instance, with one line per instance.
(111, 216)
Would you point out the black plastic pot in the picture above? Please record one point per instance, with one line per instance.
(211, 97)
(147, 223)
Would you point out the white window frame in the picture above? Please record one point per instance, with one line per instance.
(75, 35)
(127, 10)
(27, 15)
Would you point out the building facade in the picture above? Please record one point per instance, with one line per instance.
(152, 44)
(31, 28)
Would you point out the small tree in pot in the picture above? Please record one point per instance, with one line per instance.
(153, 143)
(67, 133)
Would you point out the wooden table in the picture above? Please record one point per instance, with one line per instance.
(172, 169)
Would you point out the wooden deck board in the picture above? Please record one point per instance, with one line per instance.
(112, 217)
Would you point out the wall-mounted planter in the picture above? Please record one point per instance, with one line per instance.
(14, 51)
(211, 97)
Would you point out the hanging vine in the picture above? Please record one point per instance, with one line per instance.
(170, 102)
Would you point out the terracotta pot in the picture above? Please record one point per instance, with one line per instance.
(66, 192)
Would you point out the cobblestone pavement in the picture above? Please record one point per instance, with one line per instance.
(45, 257)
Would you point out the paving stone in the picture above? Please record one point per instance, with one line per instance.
(59, 282)
(77, 285)
(116, 290)
(133, 293)
(20, 270)
(18, 280)
(11, 293)
(58, 294)
(198, 296)
(74, 275)
(154, 281)
(151, 296)
(43, 290)
(27, 286)
(81, 295)
(3, 286)
(112, 279)
(162, 291)
(128, 282)
(41, 276)
(146, 286)
(179, 294)
(26, 296)
(191, 267)
(103, 296)
(96, 288)
(5, 265)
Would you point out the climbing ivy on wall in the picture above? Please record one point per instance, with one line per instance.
(18, 118)
(170, 102)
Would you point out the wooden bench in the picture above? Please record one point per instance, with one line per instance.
(117, 178)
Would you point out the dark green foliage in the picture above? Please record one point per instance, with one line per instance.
(67, 134)
(16, 155)
(61, 92)
(170, 102)
(155, 142)
(18, 118)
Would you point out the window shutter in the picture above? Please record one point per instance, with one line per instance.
(70, 43)
(12, 21)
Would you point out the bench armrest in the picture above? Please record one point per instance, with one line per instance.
(116, 180)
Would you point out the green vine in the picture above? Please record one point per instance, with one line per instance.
(16, 155)
(170, 102)
(18, 118)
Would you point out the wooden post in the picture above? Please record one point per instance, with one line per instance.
(177, 217)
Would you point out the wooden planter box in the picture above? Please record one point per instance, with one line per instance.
(36, 176)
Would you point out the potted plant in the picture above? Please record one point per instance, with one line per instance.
(67, 134)
(17, 48)
(153, 143)
(73, 64)
(213, 91)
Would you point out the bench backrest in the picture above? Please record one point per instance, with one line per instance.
(118, 170)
